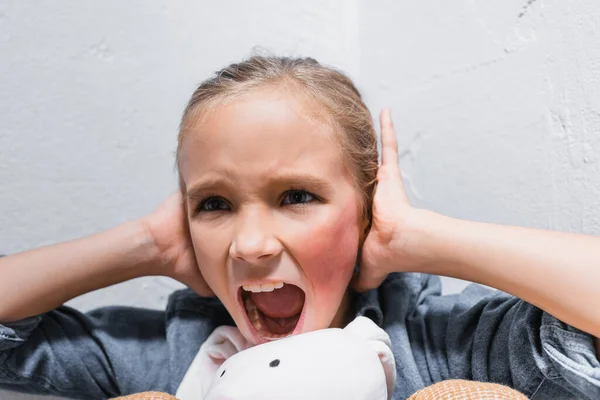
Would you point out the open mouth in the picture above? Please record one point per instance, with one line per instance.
(275, 310)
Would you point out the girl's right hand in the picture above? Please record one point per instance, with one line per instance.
(168, 230)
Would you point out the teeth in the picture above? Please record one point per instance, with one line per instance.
(249, 305)
(254, 288)
(263, 287)
(257, 325)
(254, 318)
(253, 314)
(275, 337)
(267, 287)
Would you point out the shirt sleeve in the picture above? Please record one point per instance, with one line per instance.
(487, 335)
(101, 354)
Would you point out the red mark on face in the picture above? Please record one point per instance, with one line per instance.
(327, 255)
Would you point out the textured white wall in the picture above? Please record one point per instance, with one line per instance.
(92, 93)
(496, 103)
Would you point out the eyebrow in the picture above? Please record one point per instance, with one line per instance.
(199, 189)
(308, 180)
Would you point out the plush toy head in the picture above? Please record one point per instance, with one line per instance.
(355, 362)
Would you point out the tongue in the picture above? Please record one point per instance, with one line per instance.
(280, 303)
(281, 326)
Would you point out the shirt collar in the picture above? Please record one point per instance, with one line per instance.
(367, 305)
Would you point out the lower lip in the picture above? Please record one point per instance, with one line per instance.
(259, 339)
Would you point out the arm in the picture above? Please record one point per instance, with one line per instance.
(37, 281)
(94, 355)
(40, 280)
(558, 272)
(541, 343)
(488, 335)
(97, 355)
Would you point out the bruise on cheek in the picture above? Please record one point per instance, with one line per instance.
(329, 253)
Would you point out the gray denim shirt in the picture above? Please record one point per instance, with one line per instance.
(480, 334)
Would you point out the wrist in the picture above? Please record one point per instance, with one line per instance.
(447, 246)
(425, 241)
(144, 255)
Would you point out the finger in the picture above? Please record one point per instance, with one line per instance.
(389, 143)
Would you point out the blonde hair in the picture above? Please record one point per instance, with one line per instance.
(337, 99)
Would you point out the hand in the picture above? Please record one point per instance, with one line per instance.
(389, 246)
(169, 231)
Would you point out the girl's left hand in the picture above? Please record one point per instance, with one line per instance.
(391, 244)
(168, 229)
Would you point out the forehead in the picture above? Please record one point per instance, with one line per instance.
(258, 134)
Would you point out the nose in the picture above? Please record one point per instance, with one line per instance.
(254, 241)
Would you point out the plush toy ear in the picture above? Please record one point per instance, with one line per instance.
(224, 342)
(388, 363)
(366, 329)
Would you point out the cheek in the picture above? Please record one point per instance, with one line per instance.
(211, 249)
(327, 252)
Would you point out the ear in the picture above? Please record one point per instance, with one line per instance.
(377, 338)
(224, 342)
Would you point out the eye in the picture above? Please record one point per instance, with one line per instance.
(274, 363)
(297, 197)
(213, 204)
(222, 373)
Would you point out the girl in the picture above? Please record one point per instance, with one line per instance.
(280, 188)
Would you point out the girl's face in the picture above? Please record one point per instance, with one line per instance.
(272, 203)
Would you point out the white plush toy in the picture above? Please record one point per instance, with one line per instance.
(351, 363)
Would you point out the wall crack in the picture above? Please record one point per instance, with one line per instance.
(525, 8)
